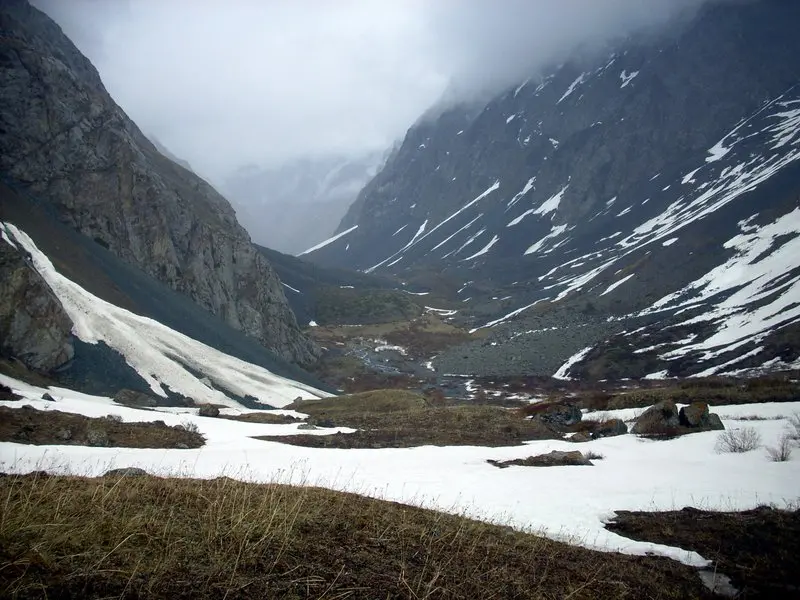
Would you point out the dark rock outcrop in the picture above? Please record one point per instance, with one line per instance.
(126, 472)
(560, 415)
(556, 458)
(33, 325)
(696, 415)
(208, 410)
(64, 139)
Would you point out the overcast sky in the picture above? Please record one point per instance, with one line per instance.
(226, 83)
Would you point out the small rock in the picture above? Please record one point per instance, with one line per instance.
(134, 398)
(307, 426)
(555, 458)
(64, 434)
(126, 472)
(181, 446)
(580, 437)
(208, 410)
(610, 428)
(48, 397)
(659, 419)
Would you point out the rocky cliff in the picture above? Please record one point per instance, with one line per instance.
(33, 326)
(64, 139)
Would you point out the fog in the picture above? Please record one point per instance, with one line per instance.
(227, 83)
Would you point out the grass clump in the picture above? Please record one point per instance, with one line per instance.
(146, 537)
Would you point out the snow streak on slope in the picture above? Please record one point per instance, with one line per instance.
(329, 240)
(751, 294)
(160, 355)
(399, 254)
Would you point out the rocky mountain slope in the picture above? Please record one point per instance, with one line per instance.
(64, 140)
(641, 207)
(275, 203)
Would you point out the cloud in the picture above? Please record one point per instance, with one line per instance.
(229, 83)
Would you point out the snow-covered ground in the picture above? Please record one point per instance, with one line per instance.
(569, 503)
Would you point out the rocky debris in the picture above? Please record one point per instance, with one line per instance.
(6, 393)
(48, 397)
(309, 426)
(665, 420)
(33, 325)
(134, 398)
(560, 415)
(580, 437)
(610, 428)
(697, 415)
(64, 138)
(555, 458)
(208, 410)
(126, 472)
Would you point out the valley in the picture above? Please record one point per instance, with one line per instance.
(550, 347)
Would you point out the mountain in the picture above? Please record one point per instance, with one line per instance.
(275, 203)
(64, 141)
(166, 152)
(628, 215)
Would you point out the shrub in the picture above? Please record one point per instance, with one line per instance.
(738, 440)
(794, 423)
(593, 455)
(189, 426)
(782, 451)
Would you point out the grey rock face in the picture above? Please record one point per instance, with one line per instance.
(65, 139)
(659, 419)
(33, 325)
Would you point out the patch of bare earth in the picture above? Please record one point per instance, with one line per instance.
(26, 425)
(758, 549)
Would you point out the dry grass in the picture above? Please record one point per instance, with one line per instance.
(143, 537)
(403, 419)
(27, 425)
(782, 450)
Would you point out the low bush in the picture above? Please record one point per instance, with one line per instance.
(744, 439)
(782, 450)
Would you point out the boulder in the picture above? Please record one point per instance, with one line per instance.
(134, 398)
(208, 410)
(307, 426)
(126, 472)
(97, 437)
(48, 397)
(659, 419)
(6, 393)
(580, 437)
(694, 415)
(697, 416)
(610, 428)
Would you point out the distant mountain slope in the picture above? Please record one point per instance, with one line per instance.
(292, 207)
(653, 191)
(63, 139)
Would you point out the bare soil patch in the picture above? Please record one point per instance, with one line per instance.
(26, 425)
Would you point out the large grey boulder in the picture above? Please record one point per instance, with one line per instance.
(63, 138)
(33, 325)
(659, 419)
